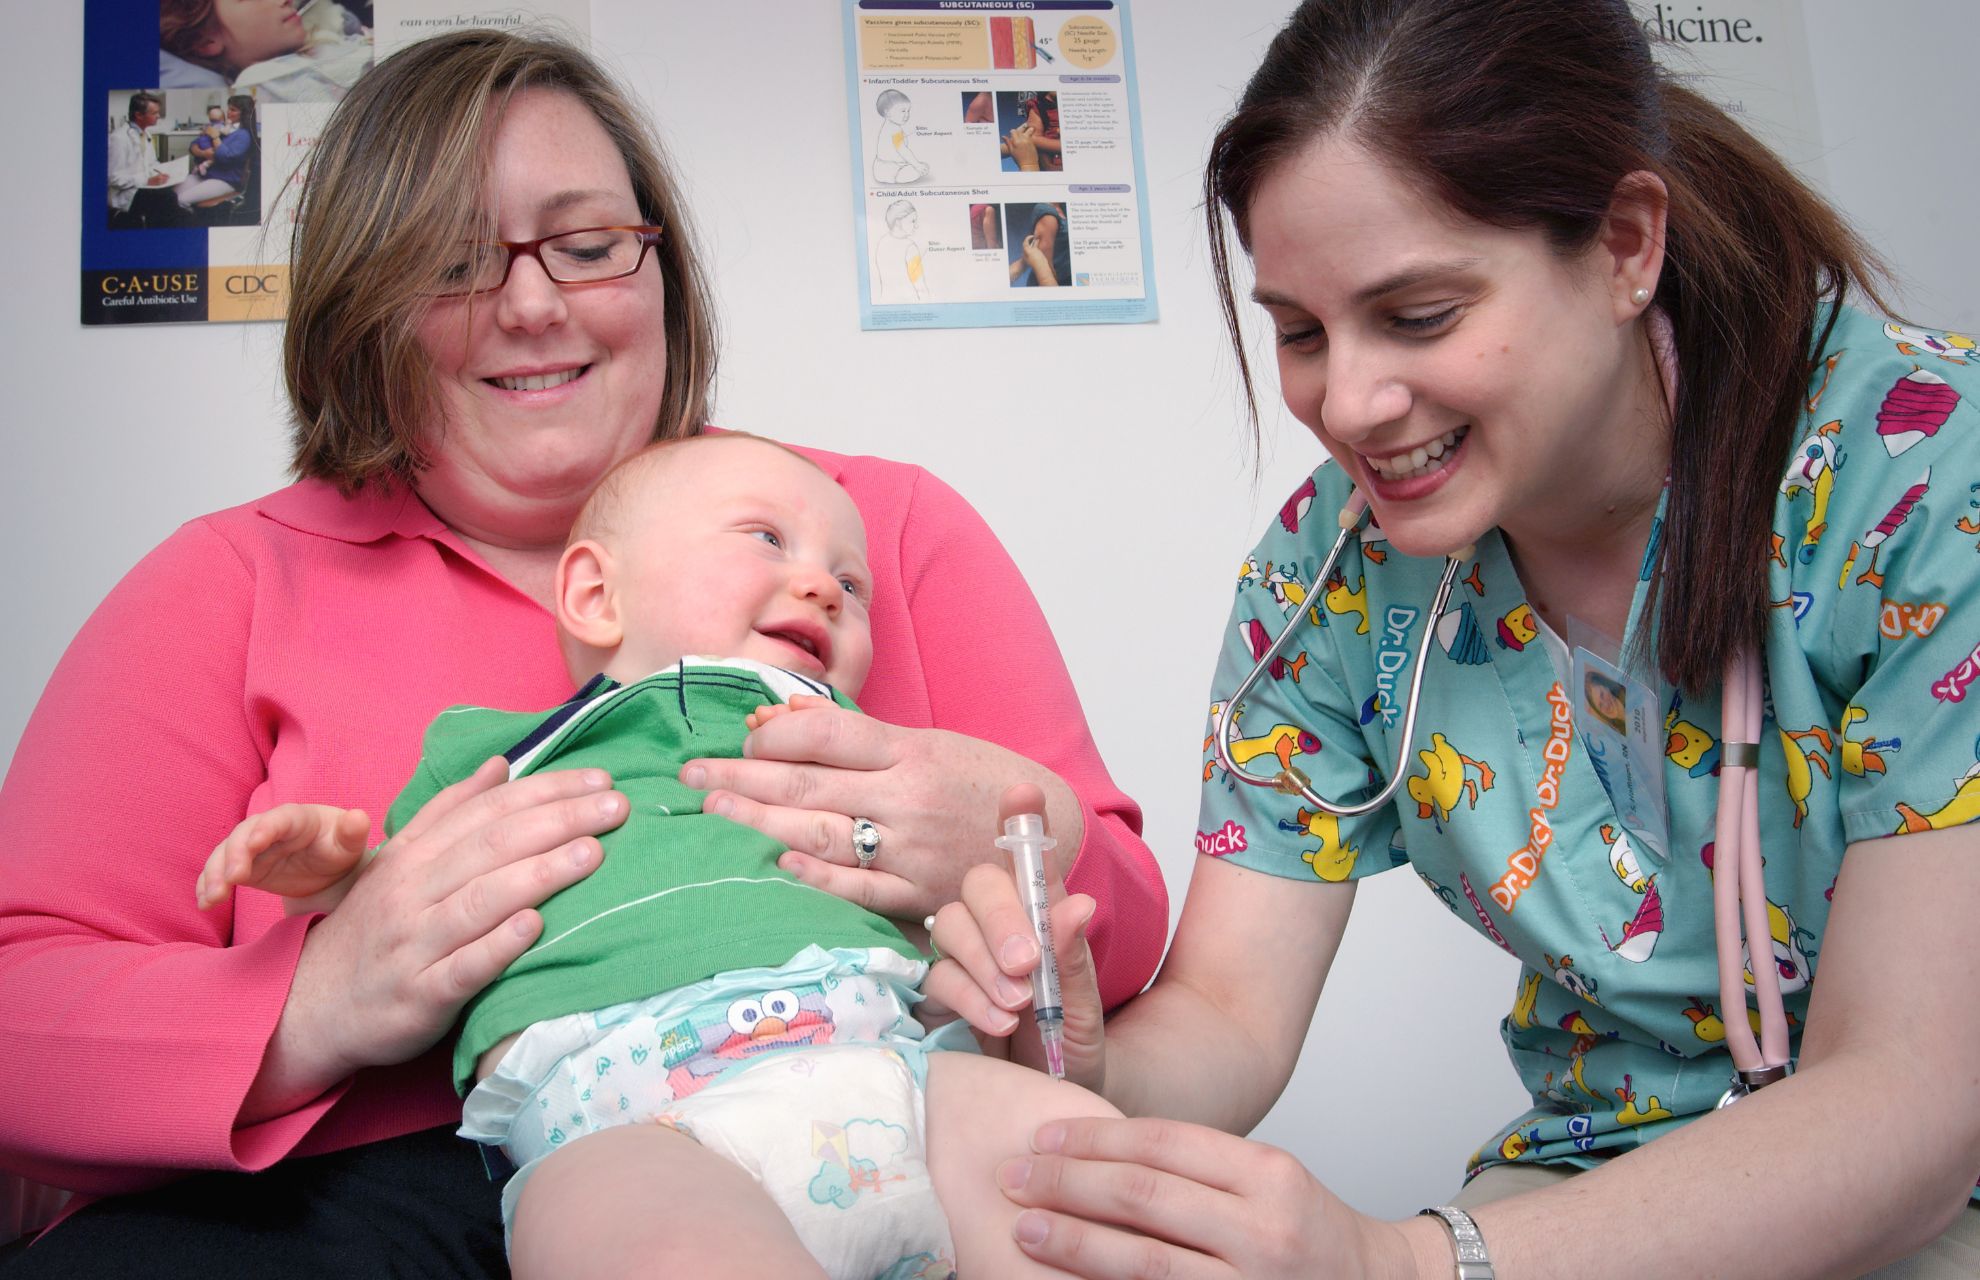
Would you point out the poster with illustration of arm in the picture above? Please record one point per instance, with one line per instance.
(196, 118)
(997, 166)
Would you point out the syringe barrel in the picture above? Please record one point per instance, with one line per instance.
(1025, 840)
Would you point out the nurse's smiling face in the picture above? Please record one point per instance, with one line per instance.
(1464, 375)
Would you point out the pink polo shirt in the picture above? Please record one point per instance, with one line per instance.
(294, 649)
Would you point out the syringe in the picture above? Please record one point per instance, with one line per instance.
(1025, 840)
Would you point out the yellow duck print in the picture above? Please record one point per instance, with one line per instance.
(1344, 602)
(1333, 861)
(1964, 807)
(1865, 755)
(1517, 1144)
(1529, 998)
(1630, 1114)
(1283, 741)
(1689, 747)
(1585, 1038)
(1705, 1023)
(1800, 777)
(1443, 780)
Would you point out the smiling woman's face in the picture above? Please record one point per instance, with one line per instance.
(543, 387)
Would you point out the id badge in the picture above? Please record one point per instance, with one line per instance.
(1620, 720)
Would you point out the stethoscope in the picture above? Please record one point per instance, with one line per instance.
(1739, 892)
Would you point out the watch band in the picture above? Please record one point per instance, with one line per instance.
(1472, 1261)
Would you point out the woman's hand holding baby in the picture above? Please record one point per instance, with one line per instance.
(447, 905)
(931, 794)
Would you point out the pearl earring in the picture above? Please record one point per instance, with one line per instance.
(1639, 295)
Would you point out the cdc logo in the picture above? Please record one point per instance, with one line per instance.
(246, 285)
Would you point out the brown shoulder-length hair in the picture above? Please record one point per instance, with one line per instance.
(392, 190)
(1526, 114)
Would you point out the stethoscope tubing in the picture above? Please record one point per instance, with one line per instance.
(1291, 781)
(1739, 893)
(1739, 887)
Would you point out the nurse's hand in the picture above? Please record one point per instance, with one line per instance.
(1019, 145)
(931, 793)
(446, 905)
(1196, 1202)
(988, 952)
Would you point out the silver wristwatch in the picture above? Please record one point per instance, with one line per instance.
(1472, 1260)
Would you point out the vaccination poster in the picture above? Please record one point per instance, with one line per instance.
(997, 166)
(198, 117)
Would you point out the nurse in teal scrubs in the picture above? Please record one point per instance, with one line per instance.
(1530, 294)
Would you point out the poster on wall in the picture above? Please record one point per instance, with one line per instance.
(997, 168)
(1750, 57)
(196, 118)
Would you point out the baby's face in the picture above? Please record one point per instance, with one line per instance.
(737, 549)
(245, 32)
(898, 113)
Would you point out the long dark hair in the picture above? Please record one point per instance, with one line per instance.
(244, 104)
(1526, 114)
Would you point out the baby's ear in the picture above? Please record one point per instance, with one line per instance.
(587, 607)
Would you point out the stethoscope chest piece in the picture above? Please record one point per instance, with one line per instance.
(1750, 1082)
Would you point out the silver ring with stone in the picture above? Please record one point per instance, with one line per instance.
(866, 842)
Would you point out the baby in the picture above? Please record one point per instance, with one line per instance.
(894, 161)
(268, 49)
(700, 1054)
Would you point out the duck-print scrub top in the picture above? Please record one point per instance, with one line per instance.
(1873, 684)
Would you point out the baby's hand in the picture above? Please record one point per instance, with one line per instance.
(799, 701)
(307, 853)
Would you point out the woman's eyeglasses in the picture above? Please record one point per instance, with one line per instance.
(586, 256)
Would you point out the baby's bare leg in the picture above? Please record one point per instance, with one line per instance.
(644, 1199)
(981, 1112)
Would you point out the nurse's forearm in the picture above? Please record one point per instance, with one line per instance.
(1175, 1052)
(1215, 1039)
(1841, 1168)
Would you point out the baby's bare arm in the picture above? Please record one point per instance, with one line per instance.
(307, 853)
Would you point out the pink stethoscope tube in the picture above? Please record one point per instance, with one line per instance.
(1739, 890)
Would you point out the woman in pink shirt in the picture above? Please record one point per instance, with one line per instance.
(463, 362)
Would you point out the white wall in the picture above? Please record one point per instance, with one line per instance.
(1062, 437)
